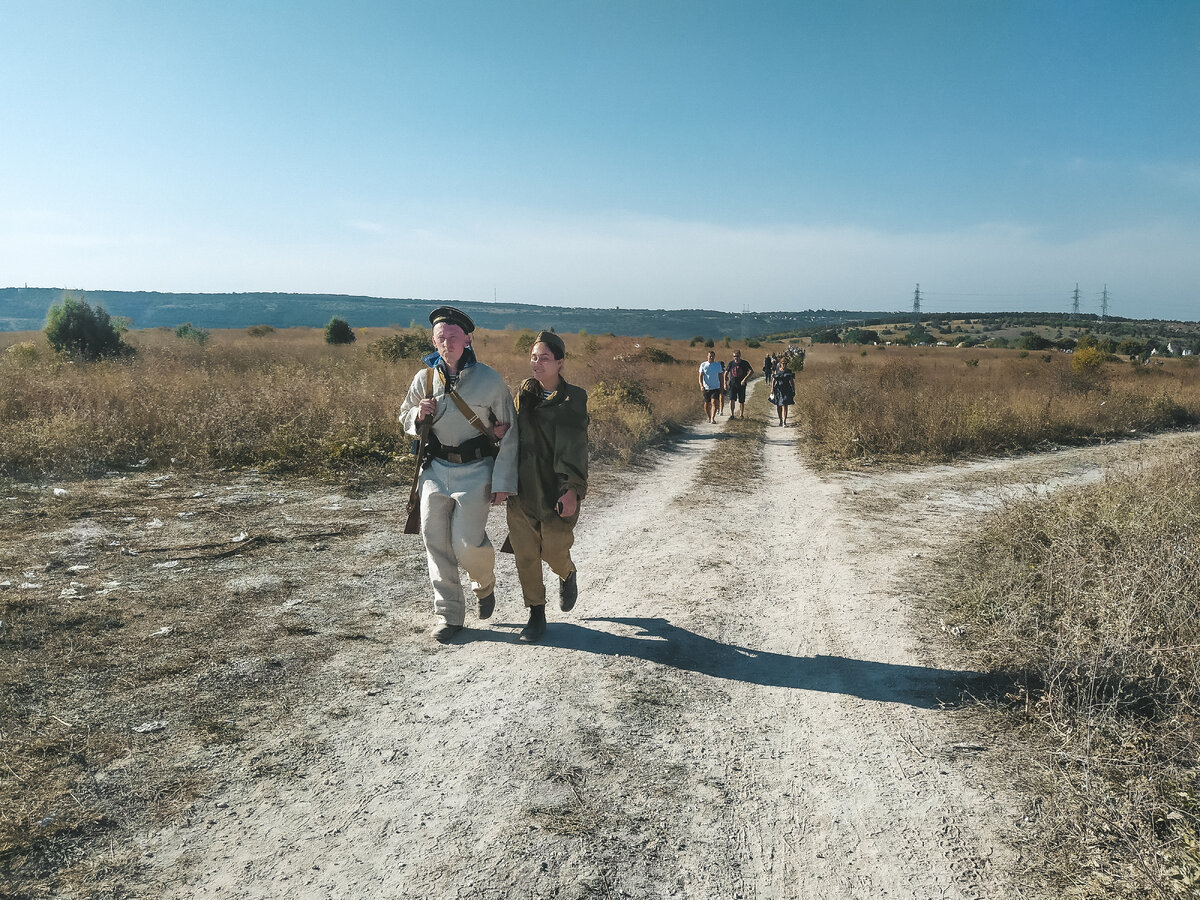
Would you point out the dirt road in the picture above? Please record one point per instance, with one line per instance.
(736, 708)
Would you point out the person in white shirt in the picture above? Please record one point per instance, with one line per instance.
(711, 385)
(472, 466)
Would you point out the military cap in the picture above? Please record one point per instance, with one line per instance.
(452, 316)
(553, 341)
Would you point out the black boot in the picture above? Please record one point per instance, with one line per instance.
(536, 627)
(568, 593)
(487, 605)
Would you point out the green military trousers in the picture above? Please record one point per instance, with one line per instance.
(534, 542)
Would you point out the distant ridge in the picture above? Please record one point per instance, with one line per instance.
(24, 309)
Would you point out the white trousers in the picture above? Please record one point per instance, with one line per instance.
(455, 500)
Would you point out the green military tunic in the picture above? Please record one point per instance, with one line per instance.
(552, 458)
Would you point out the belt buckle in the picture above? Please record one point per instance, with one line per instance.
(454, 457)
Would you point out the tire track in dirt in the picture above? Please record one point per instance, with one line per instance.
(734, 709)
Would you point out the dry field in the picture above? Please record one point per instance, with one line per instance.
(932, 404)
(262, 475)
(285, 401)
(1086, 599)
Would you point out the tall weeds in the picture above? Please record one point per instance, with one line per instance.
(932, 405)
(287, 401)
(1088, 599)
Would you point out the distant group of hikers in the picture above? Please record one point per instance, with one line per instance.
(719, 382)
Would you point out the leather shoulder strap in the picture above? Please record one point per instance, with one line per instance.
(469, 414)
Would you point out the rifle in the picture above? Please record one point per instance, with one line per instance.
(413, 524)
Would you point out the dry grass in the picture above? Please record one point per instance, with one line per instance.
(1087, 599)
(288, 402)
(737, 456)
(85, 662)
(933, 404)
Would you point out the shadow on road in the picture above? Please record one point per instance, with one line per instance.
(657, 640)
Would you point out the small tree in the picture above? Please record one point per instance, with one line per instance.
(338, 331)
(75, 327)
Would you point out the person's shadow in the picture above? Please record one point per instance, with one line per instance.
(657, 640)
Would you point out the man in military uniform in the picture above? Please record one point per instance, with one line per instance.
(472, 465)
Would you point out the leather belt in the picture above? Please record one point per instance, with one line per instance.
(468, 451)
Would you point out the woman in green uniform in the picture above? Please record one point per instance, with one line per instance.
(552, 471)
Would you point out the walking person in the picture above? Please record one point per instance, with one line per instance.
(711, 385)
(768, 368)
(472, 465)
(784, 391)
(721, 394)
(552, 466)
(736, 376)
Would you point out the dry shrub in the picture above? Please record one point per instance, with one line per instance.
(621, 419)
(1087, 598)
(912, 403)
(25, 353)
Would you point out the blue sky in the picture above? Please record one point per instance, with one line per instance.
(651, 153)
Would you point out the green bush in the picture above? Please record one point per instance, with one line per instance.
(1034, 342)
(524, 342)
(411, 344)
(862, 336)
(338, 331)
(260, 330)
(75, 327)
(188, 332)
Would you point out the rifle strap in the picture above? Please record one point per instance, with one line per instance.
(468, 413)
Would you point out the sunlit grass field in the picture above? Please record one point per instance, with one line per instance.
(1086, 600)
(287, 401)
(934, 404)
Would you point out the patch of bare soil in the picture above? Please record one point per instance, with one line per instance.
(741, 704)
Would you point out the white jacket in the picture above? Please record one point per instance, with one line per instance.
(485, 392)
